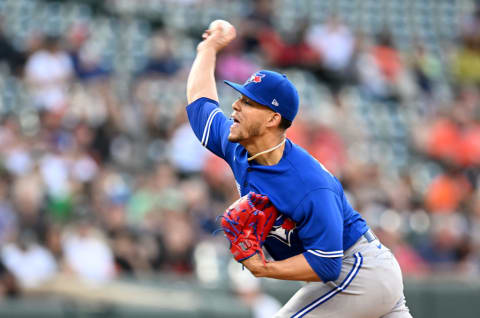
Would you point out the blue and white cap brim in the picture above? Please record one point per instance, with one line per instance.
(242, 90)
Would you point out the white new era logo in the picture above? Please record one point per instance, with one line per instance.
(274, 102)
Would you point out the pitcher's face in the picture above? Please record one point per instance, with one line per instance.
(249, 119)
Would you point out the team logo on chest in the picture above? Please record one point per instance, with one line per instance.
(283, 230)
(255, 78)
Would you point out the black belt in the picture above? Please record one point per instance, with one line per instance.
(369, 236)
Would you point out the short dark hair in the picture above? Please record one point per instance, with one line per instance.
(285, 124)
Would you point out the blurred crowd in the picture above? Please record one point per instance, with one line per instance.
(101, 175)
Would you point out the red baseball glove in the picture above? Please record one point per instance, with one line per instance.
(246, 224)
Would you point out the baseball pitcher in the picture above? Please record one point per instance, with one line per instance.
(290, 204)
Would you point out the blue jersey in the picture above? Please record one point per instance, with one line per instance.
(303, 191)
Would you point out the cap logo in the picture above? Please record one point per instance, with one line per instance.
(255, 78)
(275, 103)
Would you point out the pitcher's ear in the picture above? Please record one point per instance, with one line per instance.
(274, 120)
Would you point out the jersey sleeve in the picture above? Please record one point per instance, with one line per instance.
(210, 126)
(321, 232)
(321, 223)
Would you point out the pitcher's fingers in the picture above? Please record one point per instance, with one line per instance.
(206, 34)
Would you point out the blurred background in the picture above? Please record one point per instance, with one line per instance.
(108, 201)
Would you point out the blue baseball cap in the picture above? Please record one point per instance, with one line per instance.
(271, 89)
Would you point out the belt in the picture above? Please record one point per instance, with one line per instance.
(369, 236)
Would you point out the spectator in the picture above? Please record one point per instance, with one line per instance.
(443, 250)
(87, 254)
(257, 21)
(199, 205)
(28, 198)
(327, 147)
(447, 191)
(470, 25)
(8, 217)
(162, 60)
(465, 65)
(53, 242)
(293, 52)
(387, 57)
(248, 289)
(334, 43)
(48, 72)
(426, 69)
(466, 60)
(409, 259)
(9, 54)
(178, 237)
(129, 260)
(383, 72)
(453, 137)
(31, 263)
(86, 62)
(9, 287)
(233, 64)
(187, 155)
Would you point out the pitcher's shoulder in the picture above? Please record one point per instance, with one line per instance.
(312, 172)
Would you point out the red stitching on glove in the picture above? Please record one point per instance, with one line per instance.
(246, 224)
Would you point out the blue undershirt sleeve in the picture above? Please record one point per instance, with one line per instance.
(210, 126)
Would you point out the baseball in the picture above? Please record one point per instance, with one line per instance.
(228, 30)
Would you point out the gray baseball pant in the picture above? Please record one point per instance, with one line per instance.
(370, 286)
